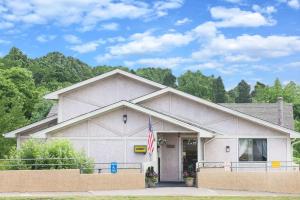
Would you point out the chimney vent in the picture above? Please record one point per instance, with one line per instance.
(280, 111)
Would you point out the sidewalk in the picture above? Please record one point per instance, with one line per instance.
(163, 191)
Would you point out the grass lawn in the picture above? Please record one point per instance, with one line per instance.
(149, 198)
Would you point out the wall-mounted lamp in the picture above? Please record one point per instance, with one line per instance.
(227, 148)
(125, 118)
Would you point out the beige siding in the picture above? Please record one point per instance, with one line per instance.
(231, 128)
(106, 138)
(101, 93)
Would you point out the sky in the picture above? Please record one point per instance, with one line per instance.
(253, 40)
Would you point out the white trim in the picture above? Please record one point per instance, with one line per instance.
(249, 136)
(100, 138)
(54, 95)
(73, 121)
(292, 133)
(13, 133)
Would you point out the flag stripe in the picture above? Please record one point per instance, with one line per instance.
(150, 142)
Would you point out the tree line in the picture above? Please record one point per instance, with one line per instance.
(23, 82)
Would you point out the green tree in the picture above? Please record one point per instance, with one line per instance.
(196, 83)
(159, 75)
(219, 93)
(243, 91)
(103, 69)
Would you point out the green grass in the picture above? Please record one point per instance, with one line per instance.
(149, 198)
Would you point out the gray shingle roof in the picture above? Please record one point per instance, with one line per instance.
(265, 111)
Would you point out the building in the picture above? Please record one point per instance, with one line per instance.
(107, 116)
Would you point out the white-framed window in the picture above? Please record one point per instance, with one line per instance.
(252, 149)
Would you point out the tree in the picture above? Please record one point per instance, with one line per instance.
(196, 83)
(243, 91)
(103, 69)
(159, 75)
(219, 93)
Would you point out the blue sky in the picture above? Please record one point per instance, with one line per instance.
(237, 39)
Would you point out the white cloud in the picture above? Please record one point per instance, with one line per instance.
(73, 39)
(116, 39)
(146, 43)
(267, 10)
(295, 4)
(234, 17)
(172, 62)
(85, 13)
(45, 38)
(87, 47)
(110, 26)
(182, 21)
(162, 7)
(234, 1)
(250, 47)
(6, 25)
(4, 41)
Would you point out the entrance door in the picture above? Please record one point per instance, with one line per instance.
(169, 158)
(189, 156)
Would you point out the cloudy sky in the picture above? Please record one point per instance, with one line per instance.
(238, 39)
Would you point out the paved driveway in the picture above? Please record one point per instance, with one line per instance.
(162, 191)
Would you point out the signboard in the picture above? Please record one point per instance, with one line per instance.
(276, 164)
(113, 168)
(140, 148)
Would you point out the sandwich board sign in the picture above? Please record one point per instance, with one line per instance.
(113, 168)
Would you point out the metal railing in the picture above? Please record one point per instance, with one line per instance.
(250, 166)
(39, 163)
(65, 163)
(106, 167)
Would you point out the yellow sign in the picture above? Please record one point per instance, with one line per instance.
(276, 164)
(140, 148)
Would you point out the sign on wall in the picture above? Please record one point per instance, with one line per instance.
(276, 164)
(113, 168)
(140, 148)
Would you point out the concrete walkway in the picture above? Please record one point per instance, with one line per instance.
(163, 191)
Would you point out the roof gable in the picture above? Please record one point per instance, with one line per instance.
(203, 131)
(292, 133)
(54, 95)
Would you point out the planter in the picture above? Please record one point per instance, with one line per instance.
(189, 182)
(151, 184)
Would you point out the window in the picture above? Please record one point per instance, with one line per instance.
(252, 149)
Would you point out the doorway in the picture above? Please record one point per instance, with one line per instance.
(177, 156)
(189, 156)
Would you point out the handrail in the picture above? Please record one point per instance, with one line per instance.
(267, 165)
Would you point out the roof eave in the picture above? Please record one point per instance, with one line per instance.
(55, 95)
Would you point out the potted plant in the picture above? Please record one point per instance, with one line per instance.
(189, 178)
(151, 177)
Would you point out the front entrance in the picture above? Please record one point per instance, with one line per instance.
(177, 156)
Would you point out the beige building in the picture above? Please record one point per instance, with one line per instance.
(107, 116)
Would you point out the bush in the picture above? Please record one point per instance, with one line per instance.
(55, 154)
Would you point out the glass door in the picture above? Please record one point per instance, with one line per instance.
(189, 156)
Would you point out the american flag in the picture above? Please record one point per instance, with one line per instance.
(150, 142)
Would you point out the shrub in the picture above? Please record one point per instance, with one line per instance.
(55, 154)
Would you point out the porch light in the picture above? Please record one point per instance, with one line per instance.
(227, 148)
(124, 118)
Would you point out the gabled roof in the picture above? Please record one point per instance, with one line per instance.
(292, 133)
(54, 95)
(203, 131)
(32, 126)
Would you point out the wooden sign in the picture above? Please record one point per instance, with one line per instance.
(140, 148)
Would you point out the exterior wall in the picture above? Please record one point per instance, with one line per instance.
(101, 93)
(106, 138)
(214, 150)
(280, 182)
(231, 128)
(67, 181)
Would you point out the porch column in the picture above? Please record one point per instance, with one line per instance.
(199, 148)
